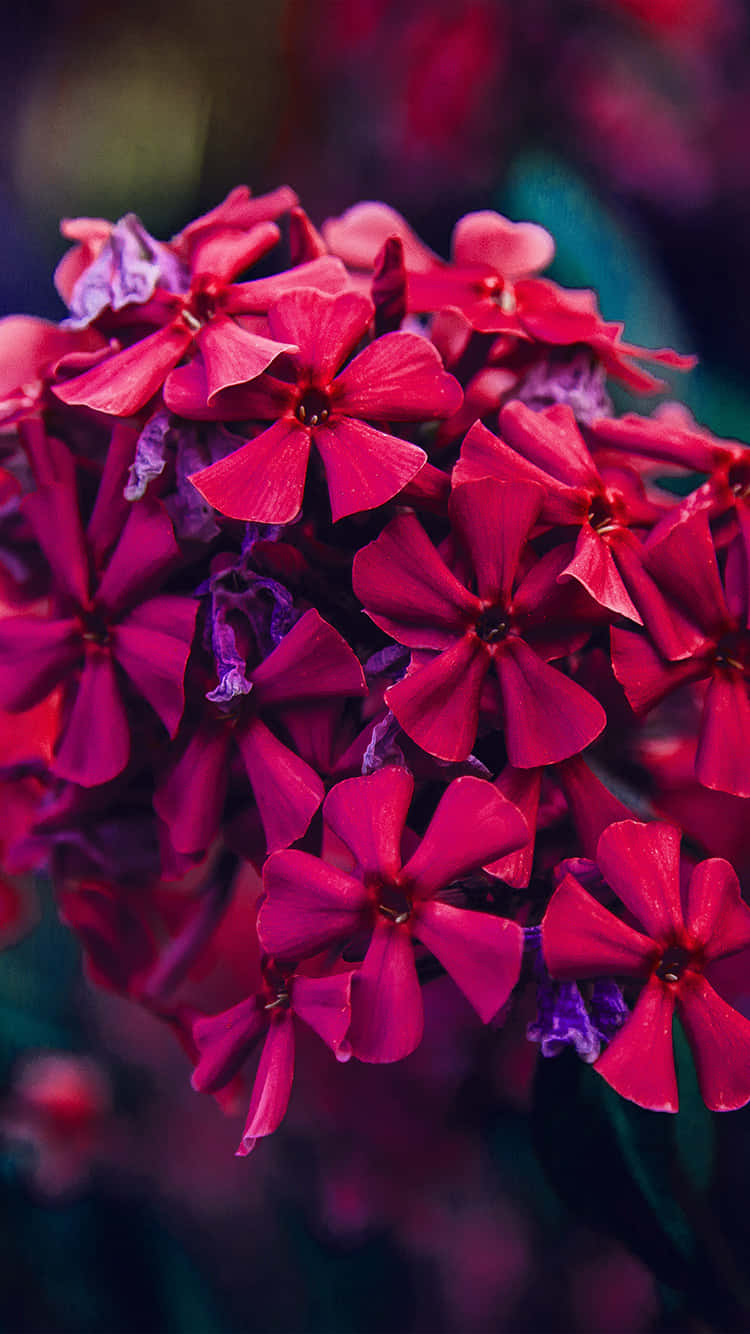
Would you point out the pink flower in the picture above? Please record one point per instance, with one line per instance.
(398, 377)
(683, 562)
(606, 504)
(192, 316)
(101, 627)
(311, 906)
(312, 665)
(673, 954)
(489, 282)
(225, 1041)
(459, 635)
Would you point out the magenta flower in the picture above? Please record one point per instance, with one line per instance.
(684, 563)
(311, 906)
(489, 283)
(195, 317)
(674, 955)
(398, 377)
(101, 630)
(459, 635)
(226, 1041)
(311, 665)
(607, 504)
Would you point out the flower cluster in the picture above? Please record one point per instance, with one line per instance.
(348, 639)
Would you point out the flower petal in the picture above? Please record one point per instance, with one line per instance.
(273, 1083)
(52, 512)
(124, 382)
(224, 1042)
(513, 249)
(399, 376)
(580, 938)
(324, 327)
(35, 654)
(594, 568)
(232, 355)
(287, 791)
(494, 520)
(592, 806)
(263, 481)
(387, 1013)
(221, 252)
(190, 796)
(473, 824)
(360, 233)
(639, 1061)
(364, 467)
(551, 440)
(722, 760)
(95, 744)
(312, 661)
(369, 815)
(522, 787)
(716, 914)
(308, 905)
(547, 716)
(152, 646)
(408, 590)
(481, 953)
(719, 1038)
(324, 1004)
(143, 555)
(438, 704)
(645, 676)
(641, 863)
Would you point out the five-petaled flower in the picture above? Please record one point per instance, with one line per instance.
(673, 954)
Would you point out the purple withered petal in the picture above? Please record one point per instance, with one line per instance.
(236, 591)
(383, 747)
(562, 1018)
(391, 661)
(579, 381)
(608, 1009)
(150, 456)
(197, 446)
(127, 270)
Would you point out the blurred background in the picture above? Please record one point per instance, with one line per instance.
(409, 1198)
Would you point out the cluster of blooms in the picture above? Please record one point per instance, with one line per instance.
(338, 606)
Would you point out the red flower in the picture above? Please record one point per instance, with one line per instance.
(225, 1041)
(311, 665)
(311, 906)
(99, 628)
(605, 503)
(398, 377)
(409, 591)
(195, 318)
(582, 939)
(489, 283)
(683, 561)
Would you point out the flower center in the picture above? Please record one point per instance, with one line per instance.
(600, 515)
(200, 306)
(739, 479)
(313, 407)
(673, 963)
(94, 628)
(280, 1002)
(393, 904)
(733, 650)
(499, 293)
(493, 625)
